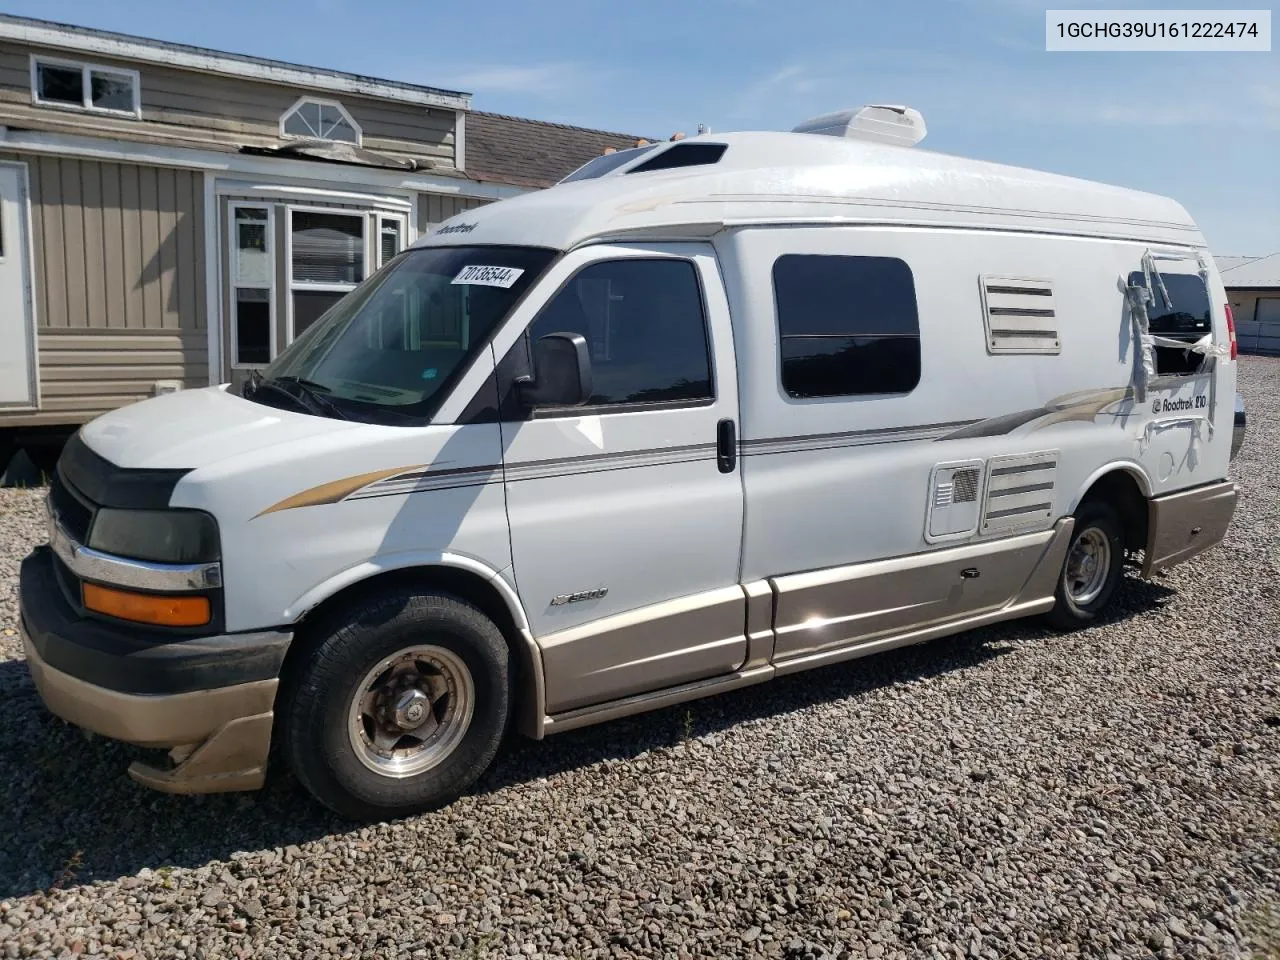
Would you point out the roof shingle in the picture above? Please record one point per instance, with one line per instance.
(531, 153)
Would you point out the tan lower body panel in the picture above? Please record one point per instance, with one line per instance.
(675, 642)
(221, 736)
(1031, 591)
(644, 702)
(845, 606)
(1183, 524)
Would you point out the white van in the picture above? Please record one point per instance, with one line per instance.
(708, 412)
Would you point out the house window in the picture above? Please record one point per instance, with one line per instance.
(252, 280)
(84, 86)
(327, 259)
(390, 230)
(319, 120)
(847, 326)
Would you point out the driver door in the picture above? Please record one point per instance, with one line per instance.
(626, 525)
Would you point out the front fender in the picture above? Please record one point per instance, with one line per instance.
(531, 700)
(405, 560)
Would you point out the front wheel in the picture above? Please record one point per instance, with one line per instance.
(400, 707)
(1093, 568)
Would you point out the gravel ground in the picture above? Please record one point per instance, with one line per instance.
(1006, 793)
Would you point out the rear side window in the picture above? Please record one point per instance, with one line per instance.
(1188, 319)
(645, 326)
(847, 326)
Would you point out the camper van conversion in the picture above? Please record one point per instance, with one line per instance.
(706, 413)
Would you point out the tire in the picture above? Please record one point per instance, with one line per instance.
(1084, 592)
(339, 711)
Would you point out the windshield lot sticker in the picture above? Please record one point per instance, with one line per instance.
(502, 277)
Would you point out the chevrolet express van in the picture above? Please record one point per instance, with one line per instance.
(706, 413)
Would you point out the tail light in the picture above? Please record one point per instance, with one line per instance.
(1231, 329)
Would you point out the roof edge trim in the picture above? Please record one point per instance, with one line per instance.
(182, 56)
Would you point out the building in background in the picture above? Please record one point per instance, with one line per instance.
(172, 217)
(1253, 290)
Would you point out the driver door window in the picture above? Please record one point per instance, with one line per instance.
(645, 326)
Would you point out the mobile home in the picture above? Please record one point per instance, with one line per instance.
(172, 217)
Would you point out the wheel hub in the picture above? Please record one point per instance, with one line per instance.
(1088, 566)
(411, 710)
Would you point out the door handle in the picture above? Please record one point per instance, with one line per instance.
(726, 446)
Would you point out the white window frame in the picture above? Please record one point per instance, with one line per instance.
(378, 219)
(305, 285)
(86, 86)
(402, 223)
(233, 242)
(346, 114)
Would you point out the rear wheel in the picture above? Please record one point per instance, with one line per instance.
(1093, 568)
(400, 707)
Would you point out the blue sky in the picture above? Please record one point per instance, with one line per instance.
(1203, 128)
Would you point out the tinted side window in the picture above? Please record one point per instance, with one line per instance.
(1189, 319)
(846, 325)
(644, 324)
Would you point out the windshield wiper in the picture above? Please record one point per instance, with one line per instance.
(304, 398)
(312, 385)
(310, 393)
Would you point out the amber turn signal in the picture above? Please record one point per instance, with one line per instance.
(168, 611)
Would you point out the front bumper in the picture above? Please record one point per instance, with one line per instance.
(210, 699)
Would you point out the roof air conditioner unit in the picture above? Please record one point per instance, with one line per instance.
(883, 123)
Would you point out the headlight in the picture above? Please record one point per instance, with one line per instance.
(161, 536)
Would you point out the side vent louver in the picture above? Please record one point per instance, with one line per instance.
(965, 485)
(1019, 315)
(953, 506)
(1020, 491)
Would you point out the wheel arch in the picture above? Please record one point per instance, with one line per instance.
(1125, 485)
(461, 576)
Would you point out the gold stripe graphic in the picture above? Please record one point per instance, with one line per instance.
(335, 490)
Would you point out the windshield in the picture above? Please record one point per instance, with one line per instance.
(387, 351)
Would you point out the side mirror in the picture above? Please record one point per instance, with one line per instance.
(561, 372)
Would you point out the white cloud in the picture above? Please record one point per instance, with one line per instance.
(783, 84)
(1204, 99)
(542, 80)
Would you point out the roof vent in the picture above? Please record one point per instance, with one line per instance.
(683, 155)
(882, 123)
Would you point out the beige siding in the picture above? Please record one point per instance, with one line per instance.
(119, 284)
(84, 374)
(435, 208)
(188, 108)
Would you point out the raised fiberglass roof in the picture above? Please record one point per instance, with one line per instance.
(795, 177)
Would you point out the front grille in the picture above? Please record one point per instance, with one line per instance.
(72, 512)
(68, 582)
